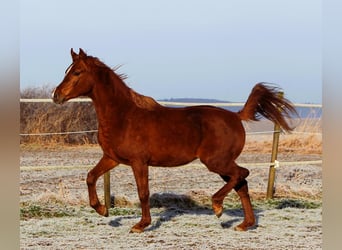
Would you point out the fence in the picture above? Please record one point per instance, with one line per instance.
(274, 163)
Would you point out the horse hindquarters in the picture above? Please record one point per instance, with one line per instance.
(222, 143)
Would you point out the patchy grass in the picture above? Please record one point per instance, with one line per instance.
(175, 203)
(36, 210)
(61, 203)
(286, 203)
(120, 211)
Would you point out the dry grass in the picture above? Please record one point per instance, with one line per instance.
(306, 144)
(62, 204)
(306, 139)
(192, 199)
(62, 196)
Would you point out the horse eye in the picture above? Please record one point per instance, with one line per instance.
(76, 73)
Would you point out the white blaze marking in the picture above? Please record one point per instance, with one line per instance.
(69, 68)
(53, 92)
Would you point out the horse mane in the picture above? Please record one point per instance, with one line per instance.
(144, 102)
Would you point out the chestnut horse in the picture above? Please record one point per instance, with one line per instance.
(137, 131)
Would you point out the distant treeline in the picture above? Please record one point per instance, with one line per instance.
(203, 100)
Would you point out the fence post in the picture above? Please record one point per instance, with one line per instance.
(106, 181)
(272, 170)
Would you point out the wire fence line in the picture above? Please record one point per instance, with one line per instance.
(165, 103)
(61, 133)
(278, 164)
(95, 131)
(168, 103)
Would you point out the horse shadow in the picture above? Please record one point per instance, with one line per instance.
(175, 205)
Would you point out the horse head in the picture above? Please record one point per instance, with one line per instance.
(78, 79)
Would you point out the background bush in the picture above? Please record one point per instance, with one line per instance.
(51, 118)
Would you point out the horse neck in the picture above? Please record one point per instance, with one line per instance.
(111, 97)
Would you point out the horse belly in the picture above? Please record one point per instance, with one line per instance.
(174, 149)
(171, 160)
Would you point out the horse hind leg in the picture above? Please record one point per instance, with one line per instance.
(235, 178)
(232, 175)
(249, 219)
(242, 190)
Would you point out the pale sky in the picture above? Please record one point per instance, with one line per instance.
(170, 49)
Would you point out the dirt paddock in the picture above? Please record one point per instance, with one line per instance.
(55, 213)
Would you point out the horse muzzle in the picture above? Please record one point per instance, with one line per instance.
(57, 97)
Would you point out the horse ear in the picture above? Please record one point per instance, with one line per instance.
(73, 55)
(82, 54)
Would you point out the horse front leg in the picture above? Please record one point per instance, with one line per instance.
(141, 177)
(104, 165)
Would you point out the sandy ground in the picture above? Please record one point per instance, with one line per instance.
(174, 225)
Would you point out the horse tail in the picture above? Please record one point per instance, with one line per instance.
(264, 100)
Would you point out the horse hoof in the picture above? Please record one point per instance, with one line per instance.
(240, 229)
(136, 230)
(102, 210)
(219, 214)
(244, 226)
(218, 210)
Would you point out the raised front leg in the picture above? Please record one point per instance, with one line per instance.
(104, 165)
(141, 177)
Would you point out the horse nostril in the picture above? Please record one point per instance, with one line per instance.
(56, 97)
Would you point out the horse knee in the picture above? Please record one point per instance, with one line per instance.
(240, 175)
(244, 172)
(226, 178)
(241, 184)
